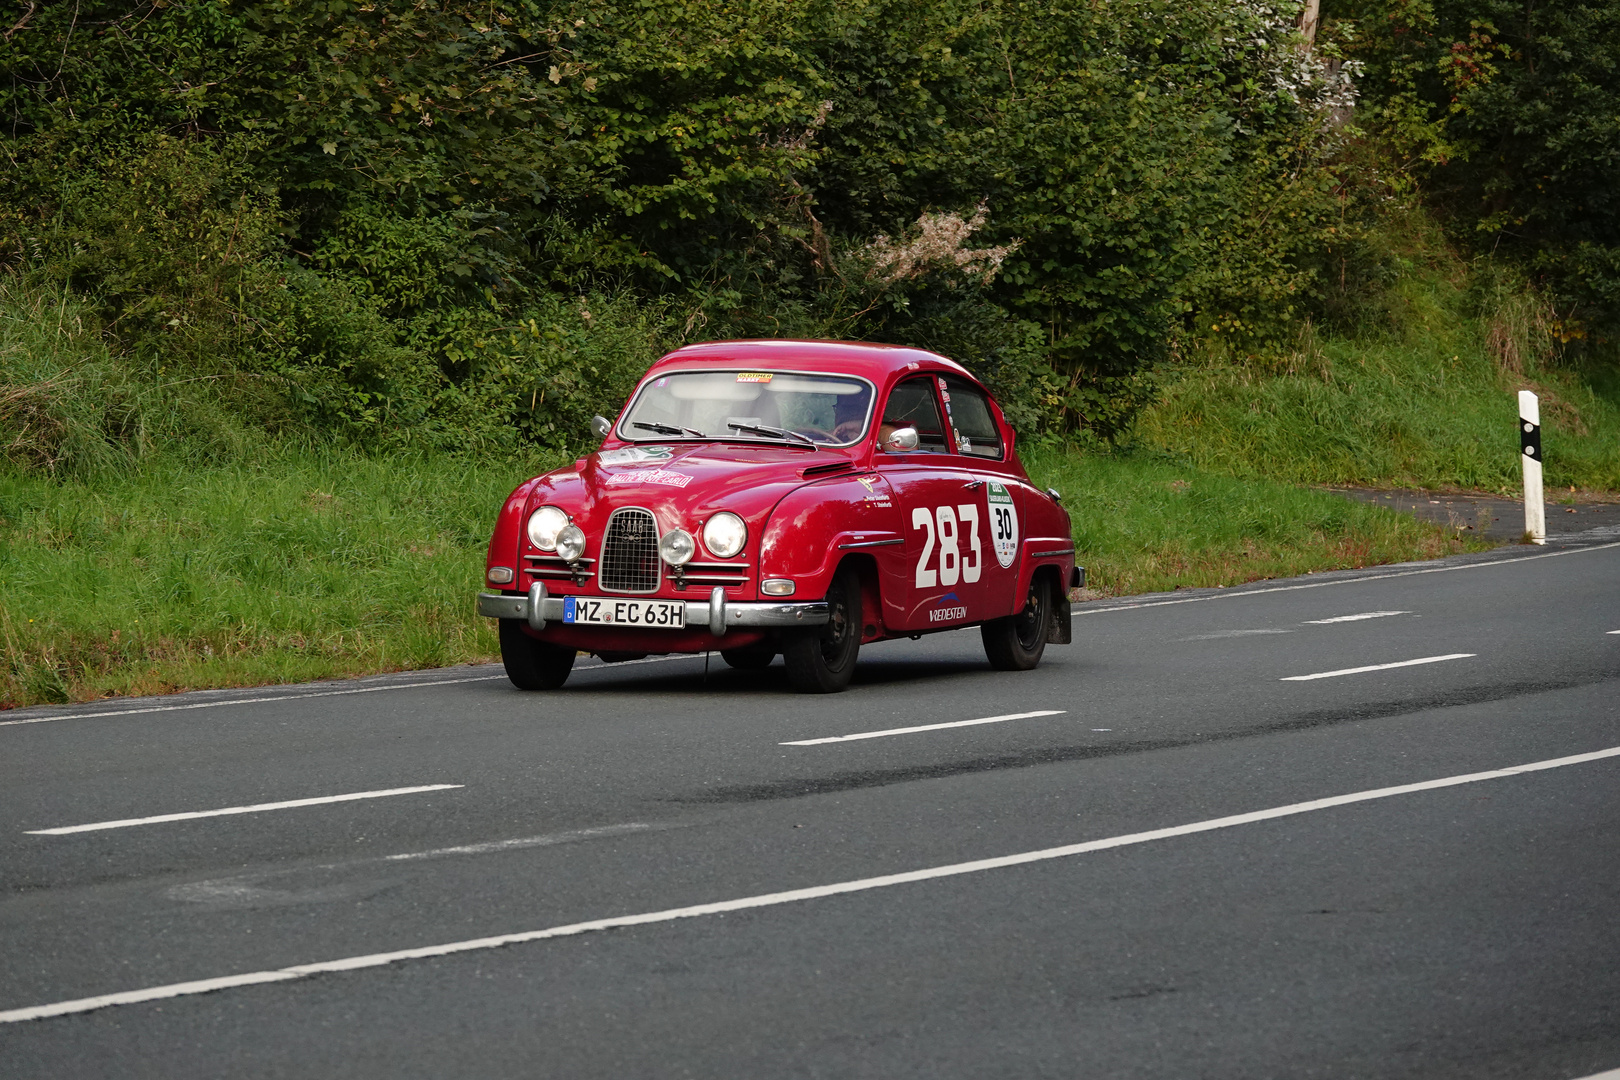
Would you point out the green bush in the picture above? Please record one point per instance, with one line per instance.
(346, 208)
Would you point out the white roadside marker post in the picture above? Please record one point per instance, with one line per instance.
(1535, 510)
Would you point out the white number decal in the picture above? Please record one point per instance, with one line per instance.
(950, 559)
(922, 519)
(954, 563)
(968, 515)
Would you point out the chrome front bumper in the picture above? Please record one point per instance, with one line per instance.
(716, 613)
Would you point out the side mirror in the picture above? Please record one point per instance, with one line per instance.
(601, 425)
(903, 440)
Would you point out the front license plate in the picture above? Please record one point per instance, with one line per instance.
(659, 614)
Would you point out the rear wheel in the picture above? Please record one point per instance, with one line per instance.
(750, 657)
(822, 660)
(530, 663)
(1016, 642)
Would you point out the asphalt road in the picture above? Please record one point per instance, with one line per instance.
(1464, 929)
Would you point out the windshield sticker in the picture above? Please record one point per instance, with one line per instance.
(650, 476)
(631, 455)
(754, 376)
(1003, 523)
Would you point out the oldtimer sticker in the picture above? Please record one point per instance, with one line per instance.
(1003, 523)
(753, 376)
(630, 455)
(650, 476)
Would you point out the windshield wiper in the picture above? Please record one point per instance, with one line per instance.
(775, 433)
(666, 429)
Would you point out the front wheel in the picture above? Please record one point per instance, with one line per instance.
(822, 660)
(530, 663)
(1016, 643)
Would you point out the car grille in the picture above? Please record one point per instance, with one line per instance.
(555, 567)
(630, 560)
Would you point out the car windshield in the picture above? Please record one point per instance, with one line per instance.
(763, 406)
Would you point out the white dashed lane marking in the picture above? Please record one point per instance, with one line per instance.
(355, 963)
(256, 808)
(1376, 667)
(1355, 618)
(925, 727)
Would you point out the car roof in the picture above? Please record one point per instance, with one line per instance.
(873, 361)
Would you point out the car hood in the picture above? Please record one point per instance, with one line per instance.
(682, 484)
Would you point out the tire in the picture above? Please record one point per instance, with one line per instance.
(750, 658)
(530, 663)
(1016, 642)
(822, 660)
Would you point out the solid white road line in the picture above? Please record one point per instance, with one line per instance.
(925, 727)
(1614, 631)
(317, 693)
(254, 809)
(246, 701)
(1612, 1074)
(1376, 667)
(1355, 618)
(352, 963)
(1229, 594)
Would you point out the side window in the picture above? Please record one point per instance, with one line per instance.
(912, 404)
(972, 418)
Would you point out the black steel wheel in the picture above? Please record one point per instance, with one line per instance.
(530, 663)
(1016, 643)
(822, 660)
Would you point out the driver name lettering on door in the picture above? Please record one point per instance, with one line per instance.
(944, 527)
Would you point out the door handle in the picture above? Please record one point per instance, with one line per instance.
(974, 485)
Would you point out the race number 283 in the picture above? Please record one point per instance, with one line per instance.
(954, 532)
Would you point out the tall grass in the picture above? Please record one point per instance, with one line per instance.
(1144, 522)
(1427, 400)
(302, 564)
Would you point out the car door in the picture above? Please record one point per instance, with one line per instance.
(979, 451)
(939, 580)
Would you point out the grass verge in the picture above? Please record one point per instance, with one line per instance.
(1427, 401)
(1145, 523)
(307, 564)
(302, 565)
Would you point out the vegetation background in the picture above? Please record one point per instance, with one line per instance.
(291, 292)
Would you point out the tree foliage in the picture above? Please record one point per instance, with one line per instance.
(437, 216)
(1509, 113)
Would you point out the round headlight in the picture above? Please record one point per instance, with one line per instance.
(571, 542)
(725, 534)
(677, 547)
(544, 525)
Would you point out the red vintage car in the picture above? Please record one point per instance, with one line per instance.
(800, 498)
